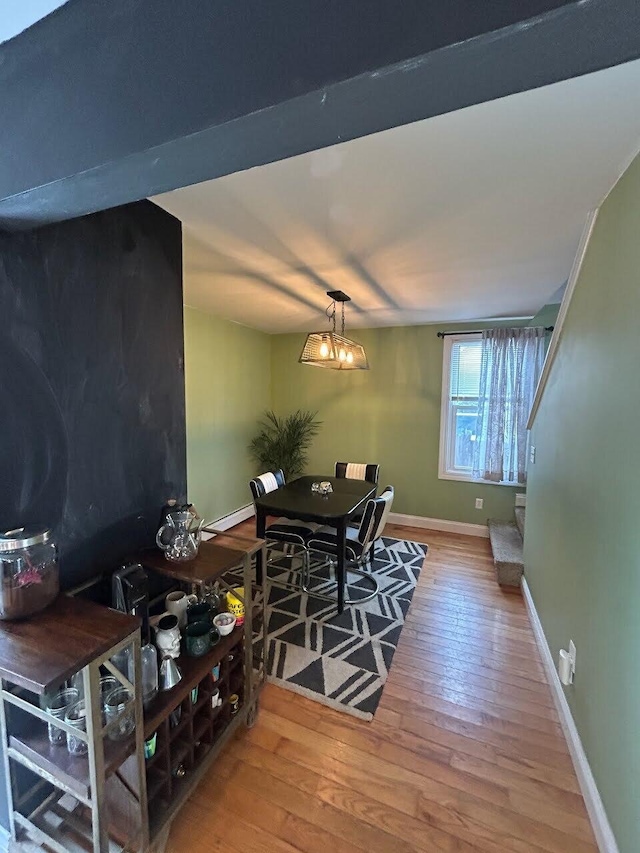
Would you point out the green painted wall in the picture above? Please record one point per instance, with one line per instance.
(390, 415)
(582, 536)
(228, 387)
(546, 316)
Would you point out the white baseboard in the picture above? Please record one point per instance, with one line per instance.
(230, 520)
(245, 512)
(595, 807)
(439, 524)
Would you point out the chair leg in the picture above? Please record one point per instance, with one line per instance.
(368, 575)
(300, 549)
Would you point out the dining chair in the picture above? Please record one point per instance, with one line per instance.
(359, 545)
(284, 531)
(367, 471)
(358, 471)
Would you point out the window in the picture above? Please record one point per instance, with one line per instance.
(489, 381)
(460, 393)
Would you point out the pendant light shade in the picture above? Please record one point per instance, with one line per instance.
(333, 350)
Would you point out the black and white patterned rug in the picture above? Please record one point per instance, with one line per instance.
(342, 661)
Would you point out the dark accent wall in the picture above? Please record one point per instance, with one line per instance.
(92, 431)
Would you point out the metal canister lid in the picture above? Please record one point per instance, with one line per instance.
(23, 537)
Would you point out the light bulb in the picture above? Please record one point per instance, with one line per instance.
(342, 355)
(324, 349)
(350, 357)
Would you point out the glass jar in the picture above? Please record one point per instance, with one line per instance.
(28, 572)
(58, 706)
(114, 707)
(76, 716)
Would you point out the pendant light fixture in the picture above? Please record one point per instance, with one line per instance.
(333, 350)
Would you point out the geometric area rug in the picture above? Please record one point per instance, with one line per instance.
(341, 660)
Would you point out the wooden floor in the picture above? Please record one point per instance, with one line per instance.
(465, 751)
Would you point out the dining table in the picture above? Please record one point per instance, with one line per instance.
(296, 499)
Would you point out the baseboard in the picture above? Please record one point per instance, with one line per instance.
(443, 524)
(595, 807)
(439, 524)
(230, 520)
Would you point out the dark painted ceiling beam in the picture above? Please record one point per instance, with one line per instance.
(106, 103)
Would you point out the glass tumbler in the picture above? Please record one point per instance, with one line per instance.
(57, 707)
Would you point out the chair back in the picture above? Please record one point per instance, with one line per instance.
(358, 471)
(265, 483)
(375, 517)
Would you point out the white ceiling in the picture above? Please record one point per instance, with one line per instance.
(475, 214)
(18, 15)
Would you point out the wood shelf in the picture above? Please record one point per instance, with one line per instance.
(193, 670)
(215, 558)
(42, 652)
(72, 770)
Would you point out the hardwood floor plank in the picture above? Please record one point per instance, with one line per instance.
(465, 751)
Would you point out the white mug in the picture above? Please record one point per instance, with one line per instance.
(177, 603)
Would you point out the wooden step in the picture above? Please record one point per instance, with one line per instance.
(506, 544)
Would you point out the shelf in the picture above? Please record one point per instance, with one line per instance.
(215, 558)
(42, 652)
(180, 752)
(156, 782)
(201, 728)
(204, 697)
(72, 770)
(193, 671)
(176, 731)
(158, 754)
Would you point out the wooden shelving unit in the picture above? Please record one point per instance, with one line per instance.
(111, 800)
(93, 802)
(191, 743)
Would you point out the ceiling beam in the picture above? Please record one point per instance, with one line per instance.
(107, 103)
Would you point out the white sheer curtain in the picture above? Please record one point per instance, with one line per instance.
(511, 365)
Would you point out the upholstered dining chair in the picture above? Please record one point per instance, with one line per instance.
(284, 531)
(368, 471)
(358, 471)
(359, 545)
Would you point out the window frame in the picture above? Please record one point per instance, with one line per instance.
(446, 411)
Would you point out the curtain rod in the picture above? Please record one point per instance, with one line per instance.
(479, 331)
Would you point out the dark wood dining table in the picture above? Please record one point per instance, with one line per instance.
(296, 500)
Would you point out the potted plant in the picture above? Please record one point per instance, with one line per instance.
(284, 442)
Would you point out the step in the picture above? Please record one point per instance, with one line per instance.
(506, 544)
(520, 513)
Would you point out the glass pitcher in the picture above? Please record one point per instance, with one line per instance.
(179, 538)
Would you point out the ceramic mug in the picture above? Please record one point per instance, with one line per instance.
(199, 611)
(168, 636)
(197, 638)
(177, 603)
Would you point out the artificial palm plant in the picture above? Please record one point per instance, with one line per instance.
(284, 442)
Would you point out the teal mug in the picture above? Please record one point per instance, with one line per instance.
(197, 639)
(200, 611)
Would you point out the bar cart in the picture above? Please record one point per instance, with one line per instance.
(190, 723)
(72, 802)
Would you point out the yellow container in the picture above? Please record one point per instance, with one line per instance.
(235, 605)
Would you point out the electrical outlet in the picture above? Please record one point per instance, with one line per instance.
(532, 454)
(479, 503)
(572, 657)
